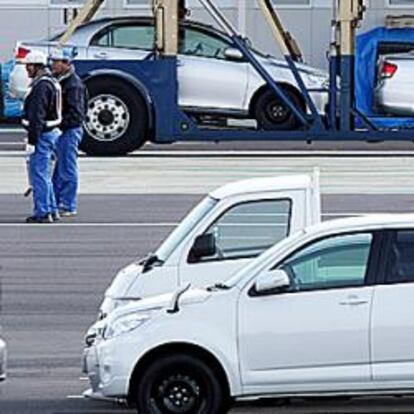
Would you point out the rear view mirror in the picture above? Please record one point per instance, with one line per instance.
(204, 246)
(271, 280)
(233, 54)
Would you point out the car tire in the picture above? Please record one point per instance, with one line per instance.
(182, 384)
(117, 118)
(272, 114)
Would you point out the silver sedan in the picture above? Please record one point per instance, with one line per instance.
(394, 94)
(213, 76)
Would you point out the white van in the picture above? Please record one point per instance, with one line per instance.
(226, 230)
(327, 311)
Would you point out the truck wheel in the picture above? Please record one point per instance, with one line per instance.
(180, 384)
(116, 121)
(272, 114)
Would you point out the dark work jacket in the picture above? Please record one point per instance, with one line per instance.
(42, 107)
(74, 100)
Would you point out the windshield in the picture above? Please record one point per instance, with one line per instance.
(185, 227)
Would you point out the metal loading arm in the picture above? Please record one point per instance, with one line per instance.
(85, 15)
(286, 41)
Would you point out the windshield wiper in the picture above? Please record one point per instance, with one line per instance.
(218, 286)
(149, 262)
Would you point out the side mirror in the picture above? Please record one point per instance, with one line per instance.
(233, 54)
(204, 246)
(271, 280)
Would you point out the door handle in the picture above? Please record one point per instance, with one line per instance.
(353, 302)
(101, 55)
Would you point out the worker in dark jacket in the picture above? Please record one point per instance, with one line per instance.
(41, 117)
(66, 175)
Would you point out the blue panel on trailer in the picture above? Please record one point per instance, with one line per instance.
(366, 72)
(156, 78)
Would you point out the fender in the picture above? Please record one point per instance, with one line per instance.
(162, 347)
(139, 86)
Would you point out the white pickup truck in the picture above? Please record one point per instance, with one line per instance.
(227, 229)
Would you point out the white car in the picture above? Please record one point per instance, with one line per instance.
(224, 232)
(214, 80)
(394, 93)
(327, 311)
(3, 360)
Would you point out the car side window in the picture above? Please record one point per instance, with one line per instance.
(126, 37)
(400, 267)
(103, 39)
(247, 229)
(133, 37)
(197, 43)
(334, 262)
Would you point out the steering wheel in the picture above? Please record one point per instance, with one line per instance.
(197, 49)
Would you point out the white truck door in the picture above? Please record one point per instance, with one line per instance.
(243, 228)
(392, 332)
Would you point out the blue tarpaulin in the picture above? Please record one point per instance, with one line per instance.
(366, 71)
(12, 107)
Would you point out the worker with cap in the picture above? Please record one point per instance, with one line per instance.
(66, 175)
(42, 115)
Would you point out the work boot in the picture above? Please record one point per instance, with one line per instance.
(56, 216)
(68, 213)
(48, 219)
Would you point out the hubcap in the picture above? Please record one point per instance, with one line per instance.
(276, 112)
(177, 394)
(108, 118)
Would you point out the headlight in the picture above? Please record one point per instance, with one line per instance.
(110, 305)
(124, 324)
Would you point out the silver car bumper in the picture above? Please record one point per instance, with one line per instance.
(3, 360)
(90, 367)
(390, 99)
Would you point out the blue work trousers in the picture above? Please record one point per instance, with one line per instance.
(41, 174)
(66, 175)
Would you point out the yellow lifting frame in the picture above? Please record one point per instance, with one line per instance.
(166, 14)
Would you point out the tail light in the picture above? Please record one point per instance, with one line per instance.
(388, 70)
(21, 53)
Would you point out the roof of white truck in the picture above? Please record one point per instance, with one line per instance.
(257, 185)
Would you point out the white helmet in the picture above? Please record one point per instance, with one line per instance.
(61, 54)
(36, 58)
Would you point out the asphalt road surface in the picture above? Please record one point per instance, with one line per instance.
(53, 278)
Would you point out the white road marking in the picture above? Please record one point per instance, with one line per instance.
(16, 130)
(245, 153)
(274, 153)
(169, 224)
(75, 397)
